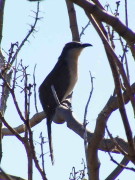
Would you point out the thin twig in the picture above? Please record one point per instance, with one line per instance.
(5, 93)
(14, 98)
(90, 95)
(117, 145)
(29, 145)
(103, 16)
(42, 152)
(2, 5)
(118, 170)
(42, 172)
(121, 165)
(125, 56)
(115, 64)
(84, 28)
(28, 35)
(126, 13)
(10, 128)
(85, 123)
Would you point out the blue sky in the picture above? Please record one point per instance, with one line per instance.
(44, 49)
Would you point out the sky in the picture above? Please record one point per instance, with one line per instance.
(43, 49)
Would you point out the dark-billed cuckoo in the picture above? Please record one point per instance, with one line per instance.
(63, 77)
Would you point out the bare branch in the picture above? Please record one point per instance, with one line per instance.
(85, 124)
(33, 154)
(5, 93)
(28, 35)
(72, 123)
(2, 5)
(42, 151)
(5, 175)
(113, 60)
(117, 145)
(36, 119)
(84, 28)
(14, 98)
(14, 132)
(121, 165)
(118, 169)
(88, 102)
(126, 13)
(103, 16)
(73, 21)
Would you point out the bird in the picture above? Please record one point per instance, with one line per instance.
(63, 78)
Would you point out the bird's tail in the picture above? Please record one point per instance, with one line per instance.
(50, 139)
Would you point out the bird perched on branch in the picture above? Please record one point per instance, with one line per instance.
(63, 78)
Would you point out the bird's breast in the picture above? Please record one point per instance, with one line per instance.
(73, 76)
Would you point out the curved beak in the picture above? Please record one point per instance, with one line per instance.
(86, 45)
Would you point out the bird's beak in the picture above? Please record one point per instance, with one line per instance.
(86, 45)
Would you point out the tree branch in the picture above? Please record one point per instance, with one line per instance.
(36, 119)
(72, 123)
(32, 29)
(118, 169)
(86, 146)
(73, 21)
(2, 5)
(103, 16)
(115, 64)
(14, 132)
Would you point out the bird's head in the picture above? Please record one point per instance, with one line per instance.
(73, 49)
